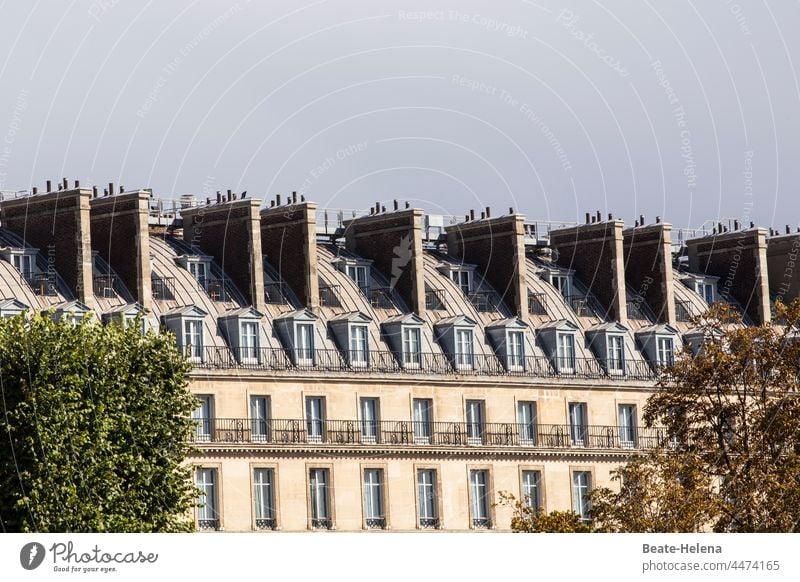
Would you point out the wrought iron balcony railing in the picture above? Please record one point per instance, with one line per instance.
(382, 361)
(43, 284)
(484, 301)
(163, 288)
(584, 305)
(106, 286)
(329, 296)
(537, 303)
(380, 297)
(434, 299)
(276, 293)
(278, 432)
(684, 310)
(265, 523)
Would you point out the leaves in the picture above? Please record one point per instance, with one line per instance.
(95, 423)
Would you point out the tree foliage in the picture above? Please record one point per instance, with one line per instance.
(731, 461)
(94, 426)
(527, 519)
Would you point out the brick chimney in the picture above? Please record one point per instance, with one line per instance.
(783, 262)
(231, 233)
(393, 240)
(739, 259)
(648, 267)
(595, 252)
(57, 223)
(289, 242)
(116, 221)
(497, 247)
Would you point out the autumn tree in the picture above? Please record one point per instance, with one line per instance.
(731, 457)
(528, 519)
(94, 422)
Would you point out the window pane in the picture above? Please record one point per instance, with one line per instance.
(373, 497)
(320, 510)
(259, 415)
(263, 494)
(479, 498)
(577, 423)
(581, 484)
(207, 499)
(369, 419)
(422, 417)
(530, 489)
(426, 498)
(526, 420)
(411, 346)
(315, 410)
(475, 422)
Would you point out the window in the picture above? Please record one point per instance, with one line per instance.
(627, 425)
(193, 338)
(616, 354)
(475, 422)
(515, 350)
(373, 499)
(304, 344)
(427, 505)
(315, 418)
(259, 418)
(199, 271)
(422, 415)
(23, 264)
(463, 279)
(202, 416)
(359, 275)
(319, 482)
(665, 353)
(464, 348)
(479, 498)
(526, 422)
(369, 420)
(411, 347)
(581, 485)
(566, 352)
(264, 497)
(706, 291)
(207, 512)
(561, 282)
(577, 423)
(248, 341)
(359, 346)
(531, 492)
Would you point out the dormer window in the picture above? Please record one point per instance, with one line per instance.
(411, 347)
(187, 325)
(296, 332)
(561, 279)
(242, 328)
(557, 338)
(359, 345)
(23, 260)
(126, 316)
(615, 359)
(706, 291)
(456, 337)
(658, 344)
(404, 334)
(508, 339)
(704, 285)
(351, 331)
(72, 312)
(199, 266)
(462, 278)
(304, 347)
(11, 308)
(199, 270)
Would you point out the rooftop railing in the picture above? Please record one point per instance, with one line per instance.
(584, 306)
(162, 288)
(43, 284)
(537, 303)
(416, 433)
(276, 293)
(380, 297)
(384, 361)
(106, 286)
(484, 301)
(434, 299)
(329, 296)
(684, 310)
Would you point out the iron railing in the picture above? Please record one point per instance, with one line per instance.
(429, 523)
(276, 432)
(329, 296)
(384, 361)
(265, 523)
(43, 284)
(537, 303)
(276, 293)
(220, 290)
(434, 299)
(637, 308)
(321, 523)
(584, 306)
(205, 524)
(106, 286)
(380, 297)
(484, 301)
(163, 288)
(684, 310)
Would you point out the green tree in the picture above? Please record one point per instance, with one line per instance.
(731, 461)
(527, 519)
(94, 427)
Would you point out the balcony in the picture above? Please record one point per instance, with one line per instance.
(380, 297)
(484, 301)
(207, 524)
(43, 284)
(329, 296)
(265, 523)
(684, 311)
(434, 299)
(429, 523)
(407, 433)
(388, 362)
(162, 288)
(537, 303)
(106, 286)
(219, 290)
(276, 293)
(584, 306)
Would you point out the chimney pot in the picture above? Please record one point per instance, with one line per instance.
(94, 191)
(278, 199)
(788, 229)
(598, 216)
(111, 188)
(471, 214)
(466, 218)
(483, 214)
(408, 204)
(302, 198)
(383, 209)
(371, 211)
(272, 204)
(105, 192)
(64, 181)
(294, 197)
(396, 206)
(77, 184)
(641, 219)
(49, 186)
(587, 218)
(610, 216)
(34, 190)
(752, 224)
(488, 212)
(593, 219)
(219, 196)
(511, 210)
(208, 201)
(121, 188)
(658, 219)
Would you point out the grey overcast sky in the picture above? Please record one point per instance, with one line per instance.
(683, 109)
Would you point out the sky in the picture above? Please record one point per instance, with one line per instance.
(685, 110)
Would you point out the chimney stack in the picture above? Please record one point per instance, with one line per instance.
(648, 267)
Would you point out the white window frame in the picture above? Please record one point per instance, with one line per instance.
(581, 487)
(531, 489)
(193, 338)
(412, 346)
(319, 480)
(464, 348)
(315, 418)
(19, 260)
(615, 354)
(422, 420)
(264, 495)
(515, 350)
(260, 418)
(249, 344)
(480, 509)
(203, 415)
(463, 278)
(358, 339)
(374, 499)
(526, 422)
(626, 425)
(427, 499)
(369, 408)
(562, 283)
(665, 350)
(475, 415)
(304, 343)
(200, 271)
(578, 424)
(565, 352)
(207, 481)
(360, 275)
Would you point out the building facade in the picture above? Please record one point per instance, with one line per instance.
(385, 370)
